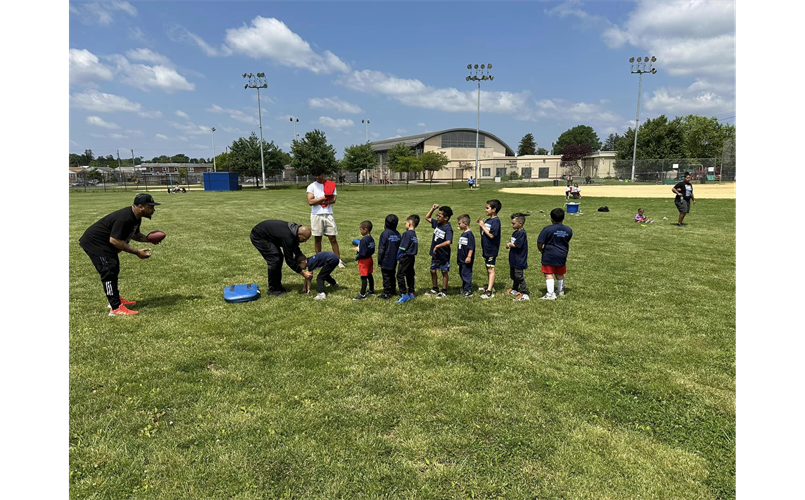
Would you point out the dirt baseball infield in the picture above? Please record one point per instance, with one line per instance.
(700, 191)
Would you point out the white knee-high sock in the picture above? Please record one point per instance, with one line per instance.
(560, 285)
(550, 285)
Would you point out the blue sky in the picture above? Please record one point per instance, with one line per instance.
(156, 76)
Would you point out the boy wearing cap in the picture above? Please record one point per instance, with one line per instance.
(108, 237)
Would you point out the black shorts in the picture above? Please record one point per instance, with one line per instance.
(682, 205)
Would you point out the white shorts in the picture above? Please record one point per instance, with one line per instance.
(323, 224)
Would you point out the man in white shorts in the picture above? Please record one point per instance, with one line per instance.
(322, 221)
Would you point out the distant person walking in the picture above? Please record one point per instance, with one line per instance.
(471, 182)
(684, 195)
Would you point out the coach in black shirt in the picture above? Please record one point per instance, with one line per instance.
(109, 236)
(275, 240)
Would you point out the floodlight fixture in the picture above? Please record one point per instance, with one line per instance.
(469, 66)
(631, 59)
(642, 67)
(653, 70)
(488, 66)
(476, 66)
(653, 59)
(483, 66)
(639, 59)
(481, 75)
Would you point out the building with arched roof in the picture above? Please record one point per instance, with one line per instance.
(495, 157)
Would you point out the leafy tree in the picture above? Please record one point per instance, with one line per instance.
(611, 143)
(183, 175)
(406, 164)
(95, 174)
(74, 160)
(572, 156)
(86, 158)
(542, 151)
(180, 158)
(399, 150)
(658, 139)
(244, 157)
(433, 162)
(223, 162)
(704, 137)
(463, 166)
(193, 160)
(359, 157)
(527, 145)
(580, 134)
(312, 155)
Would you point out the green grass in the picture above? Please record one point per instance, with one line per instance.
(623, 389)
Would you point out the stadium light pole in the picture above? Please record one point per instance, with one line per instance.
(643, 66)
(213, 150)
(258, 82)
(295, 121)
(479, 76)
(367, 129)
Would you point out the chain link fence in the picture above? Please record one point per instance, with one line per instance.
(671, 171)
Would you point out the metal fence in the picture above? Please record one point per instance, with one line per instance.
(669, 171)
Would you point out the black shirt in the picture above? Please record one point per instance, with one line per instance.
(686, 188)
(120, 225)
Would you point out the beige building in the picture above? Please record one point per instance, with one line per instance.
(495, 158)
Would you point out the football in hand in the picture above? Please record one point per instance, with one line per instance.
(155, 237)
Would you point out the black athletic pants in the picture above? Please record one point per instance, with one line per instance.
(370, 280)
(518, 280)
(109, 269)
(465, 271)
(273, 257)
(324, 275)
(405, 274)
(389, 283)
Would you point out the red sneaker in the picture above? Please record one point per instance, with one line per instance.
(127, 302)
(122, 310)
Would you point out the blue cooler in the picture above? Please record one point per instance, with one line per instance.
(572, 208)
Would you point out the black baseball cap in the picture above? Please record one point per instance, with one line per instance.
(145, 199)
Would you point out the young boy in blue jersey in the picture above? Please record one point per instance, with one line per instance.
(554, 243)
(518, 258)
(406, 255)
(465, 254)
(490, 245)
(440, 247)
(387, 256)
(366, 265)
(327, 261)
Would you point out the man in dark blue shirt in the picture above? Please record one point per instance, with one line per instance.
(406, 255)
(327, 262)
(440, 247)
(554, 243)
(490, 244)
(387, 256)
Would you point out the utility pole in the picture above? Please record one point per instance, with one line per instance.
(258, 82)
(479, 76)
(213, 150)
(643, 66)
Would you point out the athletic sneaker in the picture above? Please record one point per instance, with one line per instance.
(403, 298)
(482, 289)
(320, 296)
(336, 285)
(511, 291)
(560, 293)
(432, 291)
(122, 310)
(360, 297)
(410, 296)
(124, 302)
(384, 296)
(370, 292)
(522, 296)
(549, 296)
(466, 294)
(441, 295)
(341, 264)
(488, 294)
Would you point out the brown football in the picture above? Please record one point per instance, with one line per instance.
(155, 237)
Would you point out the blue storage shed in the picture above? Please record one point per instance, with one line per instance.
(220, 181)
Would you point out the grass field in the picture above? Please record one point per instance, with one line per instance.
(623, 389)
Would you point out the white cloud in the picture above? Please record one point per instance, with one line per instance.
(137, 35)
(401, 131)
(701, 98)
(334, 103)
(374, 134)
(339, 123)
(420, 124)
(234, 114)
(99, 102)
(181, 113)
(99, 122)
(561, 109)
(270, 38)
(234, 130)
(149, 56)
(416, 94)
(147, 78)
(151, 114)
(179, 33)
(689, 37)
(191, 128)
(162, 137)
(573, 8)
(101, 12)
(134, 132)
(118, 136)
(86, 67)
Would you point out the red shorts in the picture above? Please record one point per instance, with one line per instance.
(553, 269)
(366, 266)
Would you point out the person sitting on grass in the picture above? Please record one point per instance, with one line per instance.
(642, 218)
(575, 192)
(327, 261)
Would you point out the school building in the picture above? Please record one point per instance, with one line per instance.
(495, 158)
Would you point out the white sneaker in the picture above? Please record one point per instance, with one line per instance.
(320, 296)
(522, 296)
(482, 289)
(341, 264)
(561, 293)
(549, 296)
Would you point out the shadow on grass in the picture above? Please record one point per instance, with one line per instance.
(167, 300)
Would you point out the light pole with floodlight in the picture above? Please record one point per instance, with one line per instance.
(643, 66)
(367, 129)
(294, 121)
(479, 76)
(213, 150)
(258, 82)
